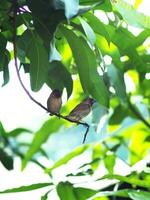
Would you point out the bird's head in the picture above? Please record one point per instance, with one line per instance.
(56, 93)
(90, 101)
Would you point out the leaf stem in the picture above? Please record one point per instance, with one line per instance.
(21, 82)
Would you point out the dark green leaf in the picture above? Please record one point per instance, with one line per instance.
(6, 160)
(59, 77)
(87, 67)
(39, 62)
(68, 157)
(45, 18)
(48, 128)
(18, 131)
(26, 188)
(2, 130)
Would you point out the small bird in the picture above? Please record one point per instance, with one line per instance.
(54, 102)
(81, 110)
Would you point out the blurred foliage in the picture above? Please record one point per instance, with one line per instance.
(87, 48)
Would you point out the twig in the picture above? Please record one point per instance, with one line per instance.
(22, 84)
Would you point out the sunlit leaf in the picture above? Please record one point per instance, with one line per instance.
(68, 157)
(132, 16)
(87, 67)
(117, 79)
(88, 31)
(109, 162)
(137, 3)
(48, 128)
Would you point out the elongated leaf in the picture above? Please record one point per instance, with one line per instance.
(97, 25)
(68, 157)
(118, 193)
(38, 62)
(88, 31)
(26, 188)
(18, 131)
(130, 180)
(138, 195)
(87, 67)
(48, 128)
(132, 16)
(117, 79)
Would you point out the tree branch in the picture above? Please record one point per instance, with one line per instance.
(22, 84)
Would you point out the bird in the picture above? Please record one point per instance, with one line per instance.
(81, 110)
(54, 102)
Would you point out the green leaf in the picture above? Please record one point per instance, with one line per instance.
(48, 128)
(97, 26)
(2, 130)
(88, 31)
(68, 157)
(83, 193)
(4, 61)
(65, 191)
(109, 162)
(17, 131)
(38, 62)
(138, 195)
(87, 67)
(117, 79)
(132, 16)
(118, 193)
(131, 180)
(26, 188)
(6, 160)
(45, 18)
(45, 197)
(59, 77)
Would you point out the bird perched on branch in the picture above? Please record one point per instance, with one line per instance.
(81, 110)
(54, 102)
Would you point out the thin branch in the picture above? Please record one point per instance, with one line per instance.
(22, 84)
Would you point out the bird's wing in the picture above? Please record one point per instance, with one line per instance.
(80, 111)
